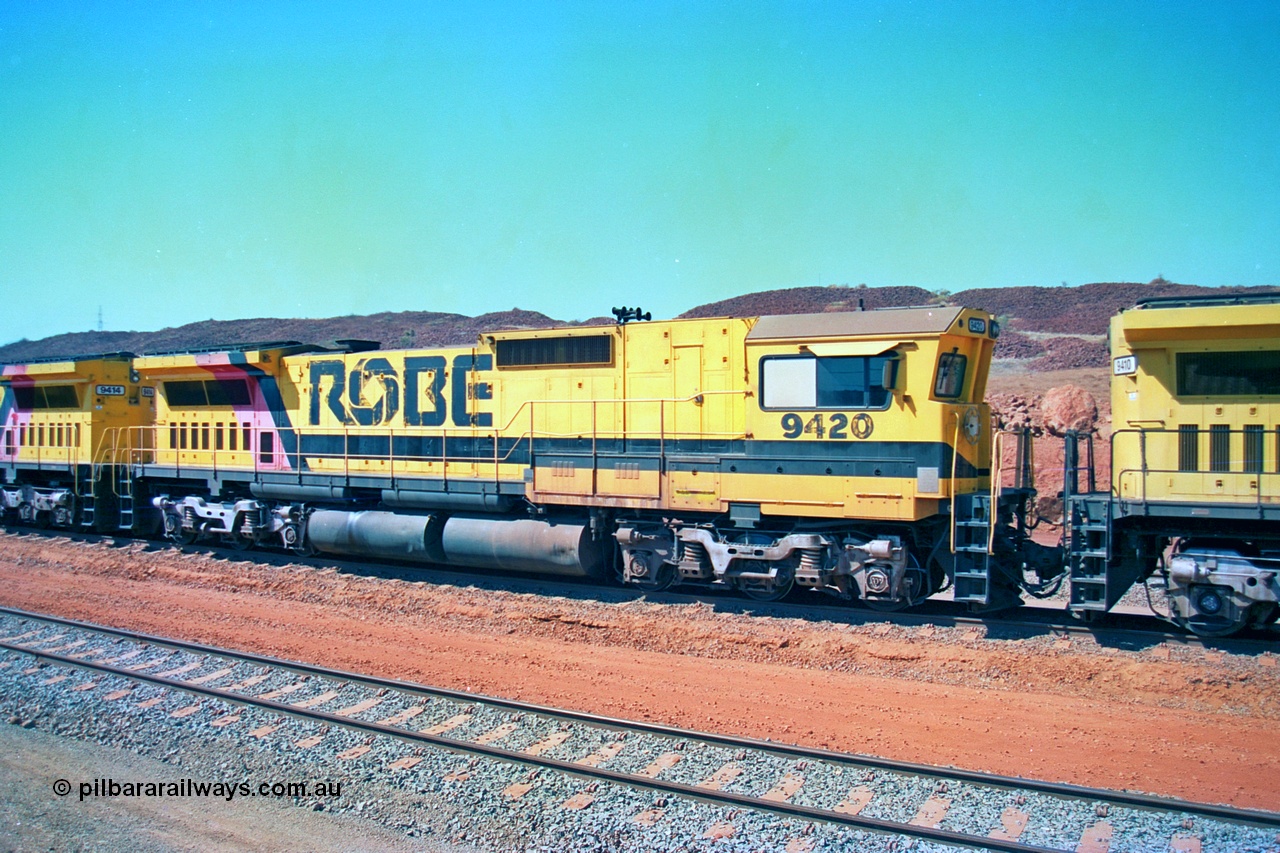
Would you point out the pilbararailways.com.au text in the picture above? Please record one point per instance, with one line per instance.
(228, 791)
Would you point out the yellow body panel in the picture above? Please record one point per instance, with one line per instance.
(671, 419)
(76, 410)
(219, 435)
(1187, 426)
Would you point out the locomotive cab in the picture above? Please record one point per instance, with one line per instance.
(875, 422)
(56, 457)
(1195, 491)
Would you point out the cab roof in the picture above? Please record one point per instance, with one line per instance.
(895, 321)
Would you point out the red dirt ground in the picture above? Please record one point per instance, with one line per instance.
(1169, 720)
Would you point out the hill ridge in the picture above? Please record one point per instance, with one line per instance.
(1064, 311)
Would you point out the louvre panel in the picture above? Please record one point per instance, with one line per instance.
(1188, 447)
(549, 352)
(1253, 442)
(1219, 448)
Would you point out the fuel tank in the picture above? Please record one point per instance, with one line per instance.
(483, 542)
(523, 544)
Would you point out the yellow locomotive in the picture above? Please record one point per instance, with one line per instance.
(762, 453)
(1195, 460)
(57, 418)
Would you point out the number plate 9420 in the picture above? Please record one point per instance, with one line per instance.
(835, 426)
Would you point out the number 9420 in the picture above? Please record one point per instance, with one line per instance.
(835, 426)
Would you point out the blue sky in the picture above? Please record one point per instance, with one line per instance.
(187, 161)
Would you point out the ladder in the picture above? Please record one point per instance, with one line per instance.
(1087, 530)
(86, 498)
(983, 523)
(1088, 552)
(972, 532)
(124, 495)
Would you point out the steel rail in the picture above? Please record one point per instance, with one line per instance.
(722, 798)
(1064, 790)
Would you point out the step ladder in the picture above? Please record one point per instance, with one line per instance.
(124, 494)
(1089, 552)
(85, 497)
(1087, 523)
(983, 523)
(972, 533)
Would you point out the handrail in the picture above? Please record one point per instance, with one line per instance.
(955, 454)
(1144, 470)
(997, 480)
(397, 464)
(494, 435)
(1249, 462)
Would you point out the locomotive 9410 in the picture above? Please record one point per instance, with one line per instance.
(1195, 491)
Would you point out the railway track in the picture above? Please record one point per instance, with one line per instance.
(941, 806)
(1121, 629)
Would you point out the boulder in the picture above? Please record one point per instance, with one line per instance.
(1069, 407)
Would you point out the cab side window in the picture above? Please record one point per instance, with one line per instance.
(836, 382)
(950, 379)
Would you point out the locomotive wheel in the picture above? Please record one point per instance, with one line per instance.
(776, 591)
(656, 581)
(917, 589)
(176, 533)
(1205, 628)
(1222, 621)
(238, 541)
(296, 540)
(305, 548)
